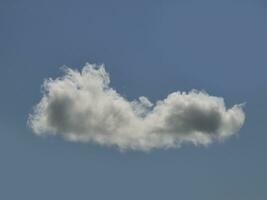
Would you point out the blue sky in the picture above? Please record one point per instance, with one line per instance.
(150, 48)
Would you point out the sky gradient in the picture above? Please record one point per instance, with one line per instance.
(149, 48)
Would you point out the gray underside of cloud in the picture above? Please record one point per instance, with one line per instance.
(81, 106)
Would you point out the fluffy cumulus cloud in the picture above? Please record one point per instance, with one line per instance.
(81, 106)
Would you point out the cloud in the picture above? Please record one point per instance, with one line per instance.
(81, 106)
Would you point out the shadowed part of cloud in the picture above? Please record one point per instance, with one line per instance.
(81, 106)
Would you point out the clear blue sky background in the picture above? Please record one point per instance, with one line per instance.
(150, 48)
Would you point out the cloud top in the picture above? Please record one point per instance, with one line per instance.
(81, 106)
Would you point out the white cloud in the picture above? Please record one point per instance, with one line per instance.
(81, 106)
